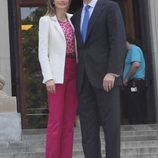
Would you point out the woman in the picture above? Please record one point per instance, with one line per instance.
(58, 63)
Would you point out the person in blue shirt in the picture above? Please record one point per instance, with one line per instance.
(134, 82)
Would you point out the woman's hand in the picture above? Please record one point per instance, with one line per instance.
(50, 85)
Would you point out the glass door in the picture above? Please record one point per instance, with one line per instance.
(33, 92)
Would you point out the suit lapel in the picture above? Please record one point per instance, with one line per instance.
(97, 10)
(78, 23)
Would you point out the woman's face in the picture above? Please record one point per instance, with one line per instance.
(62, 4)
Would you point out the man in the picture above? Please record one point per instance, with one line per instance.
(100, 38)
(134, 82)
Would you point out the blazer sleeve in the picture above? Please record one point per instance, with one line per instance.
(117, 40)
(43, 49)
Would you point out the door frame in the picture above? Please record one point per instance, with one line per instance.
(32, 3)
(19, 4)
(128, 13)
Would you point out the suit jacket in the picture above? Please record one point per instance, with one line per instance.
(52, 48)
(104, 49)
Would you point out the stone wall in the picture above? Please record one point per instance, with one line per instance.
(153, 16)
(5, 46)
(10, 120)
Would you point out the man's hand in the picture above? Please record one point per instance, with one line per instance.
(108, 82)
(50, 85)
(125, 82)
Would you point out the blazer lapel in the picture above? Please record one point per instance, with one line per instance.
(69, 19)
(57, 26)
(97, 10)
(77, 28)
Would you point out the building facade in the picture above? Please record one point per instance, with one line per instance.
(19, 53)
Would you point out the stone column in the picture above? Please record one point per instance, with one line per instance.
(10, 120)
(5, 69)
(153, 16)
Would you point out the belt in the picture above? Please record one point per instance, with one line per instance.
(137, 79)
(71, 55)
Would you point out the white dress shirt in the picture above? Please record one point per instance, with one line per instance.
(92, 5)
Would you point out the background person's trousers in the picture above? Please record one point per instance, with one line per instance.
(97, 106)
(136, 102)
(62, 112)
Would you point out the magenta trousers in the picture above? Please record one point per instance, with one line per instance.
(62, 112)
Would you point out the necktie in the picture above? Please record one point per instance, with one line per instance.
(85, 23)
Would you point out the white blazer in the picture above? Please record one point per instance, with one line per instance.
(52, 48)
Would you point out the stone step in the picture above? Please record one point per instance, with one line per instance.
(77, 139)
(124, 128)
(125, 147)
(131, 156)
(42, 155)
(139, 156)
(126, 152)
(36, 145)
(139, 137)
(129, 145)
(137, 144)
(124, 135)
(23, 155)
(41, 144)
(132, 132)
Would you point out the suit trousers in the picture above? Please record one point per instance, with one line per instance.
(62, 112)
(97, 107)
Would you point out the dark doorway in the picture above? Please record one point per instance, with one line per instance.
(75, 5)
(135, 14)
(27, 79)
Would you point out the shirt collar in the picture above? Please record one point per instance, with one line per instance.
(91, 4)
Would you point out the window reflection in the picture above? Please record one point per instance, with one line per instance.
(35, 93)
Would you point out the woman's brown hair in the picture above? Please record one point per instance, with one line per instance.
(50, 8)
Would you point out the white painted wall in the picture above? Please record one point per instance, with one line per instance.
(5, 69)
(153, 16)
